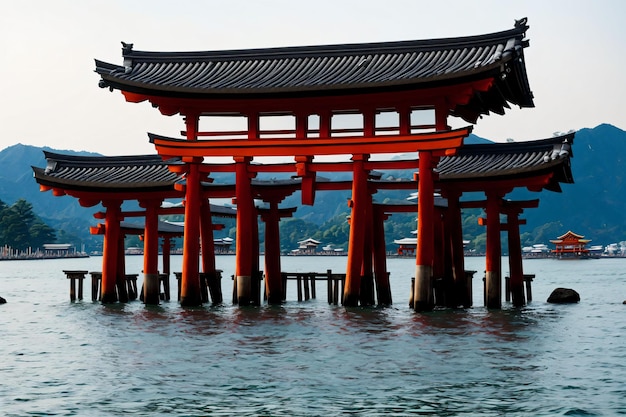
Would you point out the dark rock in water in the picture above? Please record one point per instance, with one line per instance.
(563, 296)
(2, 300)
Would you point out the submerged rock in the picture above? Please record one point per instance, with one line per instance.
(2, 300)
(563, 296)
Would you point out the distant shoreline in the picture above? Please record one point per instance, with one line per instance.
(44, 257)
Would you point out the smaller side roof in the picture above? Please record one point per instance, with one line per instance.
(511, 160)
(106, 173)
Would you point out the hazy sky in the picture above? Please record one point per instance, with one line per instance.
(49, 92)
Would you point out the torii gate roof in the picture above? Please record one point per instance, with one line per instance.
(424, 68)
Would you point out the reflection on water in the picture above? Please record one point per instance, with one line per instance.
(312, 358)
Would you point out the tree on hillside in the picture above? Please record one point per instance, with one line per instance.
(20, 228)
(41, 233)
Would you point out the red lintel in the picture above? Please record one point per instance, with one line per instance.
(434, 141)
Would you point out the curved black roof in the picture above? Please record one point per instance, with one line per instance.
(512, 160)
(479, 163)
(334, 70)
(106, 173)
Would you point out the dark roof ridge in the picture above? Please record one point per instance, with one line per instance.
(327, 50)
(147, 159)
(514, 147)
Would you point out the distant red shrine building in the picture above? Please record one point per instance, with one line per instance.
(571, 245)
(313, 88)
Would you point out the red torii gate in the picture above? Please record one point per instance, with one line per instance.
(537, 165)
(447, 76)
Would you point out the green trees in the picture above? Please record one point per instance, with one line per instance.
(21, 228)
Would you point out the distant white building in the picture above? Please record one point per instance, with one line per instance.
(540, 250)
(306, 247)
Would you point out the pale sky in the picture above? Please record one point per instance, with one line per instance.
(49, 92)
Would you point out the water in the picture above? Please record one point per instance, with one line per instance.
(307, 359)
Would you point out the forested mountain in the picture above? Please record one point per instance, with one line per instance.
(594, 206)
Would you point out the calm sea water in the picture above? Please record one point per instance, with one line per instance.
(311, 359)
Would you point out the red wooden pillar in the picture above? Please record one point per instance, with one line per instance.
(358, 223)
(256, 252)
(122, 291)
(367, 295)
(493, 278)
(273, 279)
(383, 289)
(516, 271)
(212, 279)
(151, 252)
(367, 273)
(110, 250)
(454, 224)
(245, 229)
(190, 280)
(439, 258)
(423, 288)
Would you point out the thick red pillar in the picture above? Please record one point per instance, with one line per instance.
(439, 259)
(110, 250)
(516, 271)
(256, 252)
(122, 292)
(383, 289)
(151, 252)
(358, 223)
(212, 278)
(454, 224)
(273, 280)
(425, 255)
(245, 229)
(367, 296)
(493, 267)
(423, 288)
(190, 280)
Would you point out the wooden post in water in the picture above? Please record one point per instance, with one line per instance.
(358, 223)
(190, 277)
(74, 276)
(96, 280)
(122, 290)
(516, 282)
(493, 279)
(110, 252)
(423, 288)
(439, 259)
(528, 278)
(383, 288)
(306, 281)
(208, 252)
(166, 248)
(151, 252)
(312, 285)
(245, 217)
(454, 225)
(329, 286)
(274, 282)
